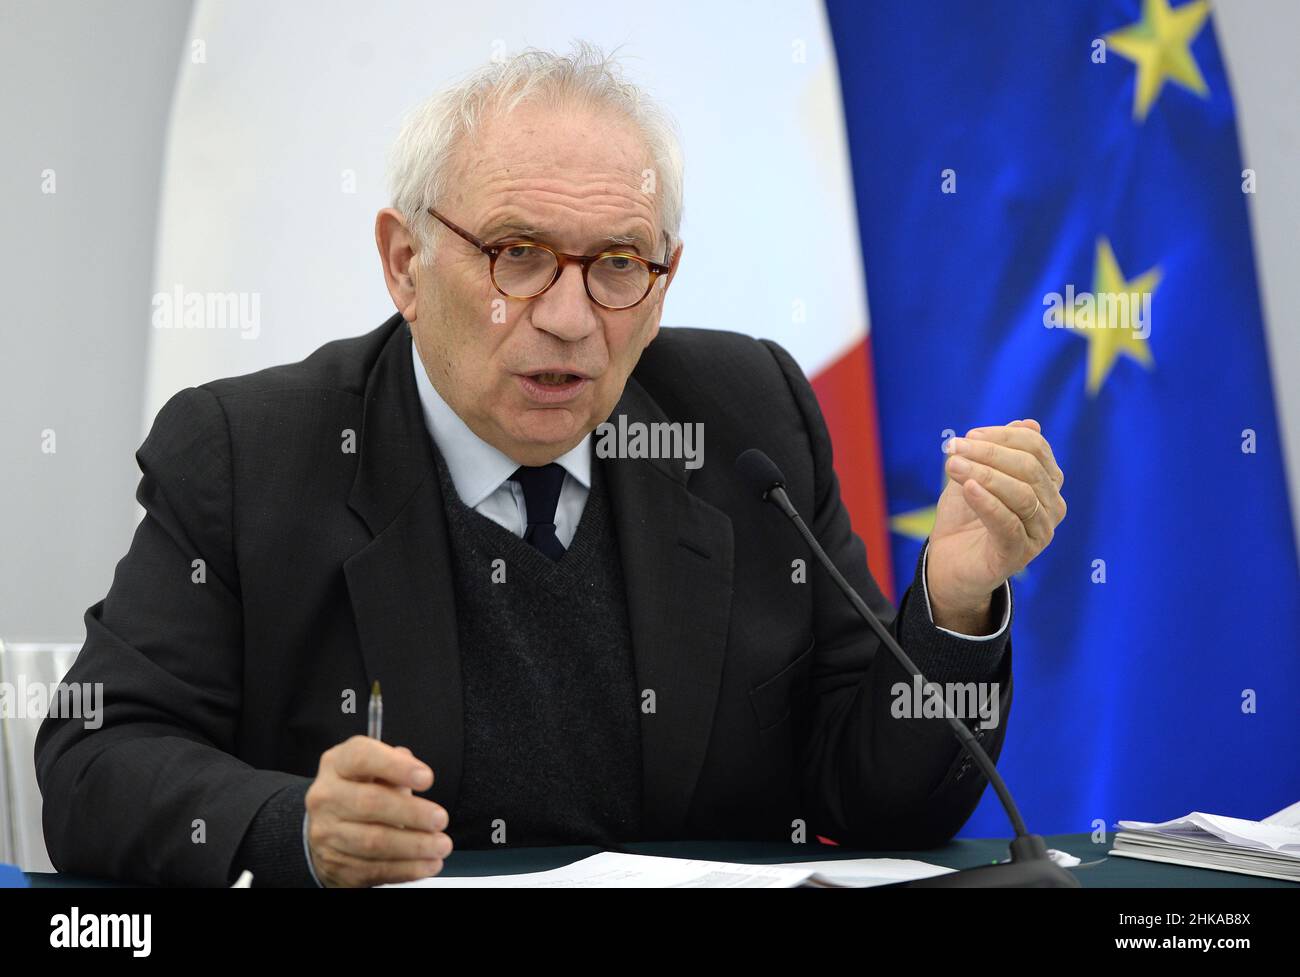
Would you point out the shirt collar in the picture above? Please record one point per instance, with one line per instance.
(477, 468)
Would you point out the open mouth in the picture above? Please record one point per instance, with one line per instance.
(552, 387)
(554, 379)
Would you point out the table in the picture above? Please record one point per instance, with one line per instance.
(1108, 872)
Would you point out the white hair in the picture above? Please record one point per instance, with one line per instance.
(421, 161)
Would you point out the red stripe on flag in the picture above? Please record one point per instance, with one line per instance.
(846, 390)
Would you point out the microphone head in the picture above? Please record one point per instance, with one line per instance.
(759, 472)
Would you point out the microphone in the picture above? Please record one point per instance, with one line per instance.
(1030, 865)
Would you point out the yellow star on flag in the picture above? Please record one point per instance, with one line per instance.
(1115, 318)
(917, 524)
(1160, 44)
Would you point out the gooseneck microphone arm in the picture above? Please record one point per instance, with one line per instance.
(762, 474)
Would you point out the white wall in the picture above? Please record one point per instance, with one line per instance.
(84, 91)
(1260, 39)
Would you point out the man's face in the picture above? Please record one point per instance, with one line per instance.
(572, 180)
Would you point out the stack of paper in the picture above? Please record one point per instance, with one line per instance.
(1270, 848)
(611, 870)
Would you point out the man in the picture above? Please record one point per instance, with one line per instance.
(572, 647)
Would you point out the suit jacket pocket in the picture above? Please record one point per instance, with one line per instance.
(773, 697)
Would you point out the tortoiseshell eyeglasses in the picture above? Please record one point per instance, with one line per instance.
(524, 269)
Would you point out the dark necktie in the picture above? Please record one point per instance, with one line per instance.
(541, 495)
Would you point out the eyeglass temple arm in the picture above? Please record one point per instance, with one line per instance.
(486, 249)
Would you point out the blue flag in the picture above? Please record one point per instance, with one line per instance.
(1054, 224)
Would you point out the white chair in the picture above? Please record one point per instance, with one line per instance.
(22, 665)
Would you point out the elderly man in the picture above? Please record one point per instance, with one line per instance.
(573, 646)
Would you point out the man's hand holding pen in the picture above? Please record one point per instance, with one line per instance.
(365, 825)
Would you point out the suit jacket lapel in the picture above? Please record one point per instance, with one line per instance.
(400, 583)
(676, 553)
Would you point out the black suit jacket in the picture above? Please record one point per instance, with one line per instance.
(323, 569)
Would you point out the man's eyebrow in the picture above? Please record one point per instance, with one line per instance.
(514, 226)
(633, 239)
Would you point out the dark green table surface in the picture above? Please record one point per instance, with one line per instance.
(1108, 872)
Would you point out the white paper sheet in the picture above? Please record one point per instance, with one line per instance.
(1261, 835)
(613, 870)
(862, 873)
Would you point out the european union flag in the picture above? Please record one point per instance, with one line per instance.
(1054, 225)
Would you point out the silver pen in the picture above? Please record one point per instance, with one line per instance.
(375, 726)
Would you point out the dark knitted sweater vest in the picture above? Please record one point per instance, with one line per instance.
(552, 712)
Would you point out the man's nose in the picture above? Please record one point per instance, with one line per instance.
(565, 310)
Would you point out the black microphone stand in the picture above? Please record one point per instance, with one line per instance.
(1030, 865)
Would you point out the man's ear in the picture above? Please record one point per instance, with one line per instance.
(399, 258)
(672, 265)
(661, 293)
(659, 298)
